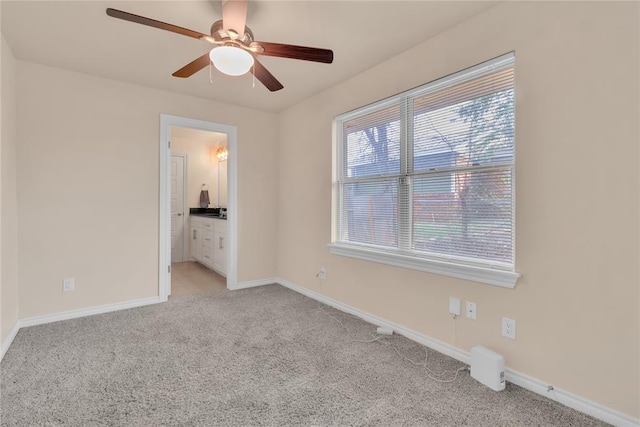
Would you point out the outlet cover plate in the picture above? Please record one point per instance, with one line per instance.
(68, 284)
(508, 328)
(454, 306)
(471, 310)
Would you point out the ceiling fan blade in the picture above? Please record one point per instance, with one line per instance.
(115, 13)
(265, 77)
(193, 67)
(234, 16)
(295, 52)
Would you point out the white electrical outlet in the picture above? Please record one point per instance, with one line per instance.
(68, 284)
(454, 306)
(509, 328)
(323, 273)
(471, 310)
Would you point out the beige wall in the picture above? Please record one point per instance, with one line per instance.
(88, 166)
(87, 176)
(576, 305)
(9, 221)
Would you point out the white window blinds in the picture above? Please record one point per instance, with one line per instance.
(429, 173)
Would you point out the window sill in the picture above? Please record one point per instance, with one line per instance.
(502, 278)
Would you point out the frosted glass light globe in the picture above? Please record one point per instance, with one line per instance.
(230, 60)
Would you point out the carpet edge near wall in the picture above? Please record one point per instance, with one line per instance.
(527, 382)
(532, 384)
(73, 314)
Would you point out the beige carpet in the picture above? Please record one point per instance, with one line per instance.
(262, 356)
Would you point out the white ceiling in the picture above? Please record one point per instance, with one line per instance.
(79, 36)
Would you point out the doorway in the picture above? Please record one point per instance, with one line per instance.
(198, 246)
(165, 250)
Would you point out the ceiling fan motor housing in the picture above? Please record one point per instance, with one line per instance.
(219, 34)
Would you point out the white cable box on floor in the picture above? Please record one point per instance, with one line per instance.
(382, 330)
(487, 367)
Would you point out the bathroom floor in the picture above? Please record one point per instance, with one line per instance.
(188, 278)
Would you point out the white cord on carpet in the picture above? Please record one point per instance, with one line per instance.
(334, 318)
(376, 337)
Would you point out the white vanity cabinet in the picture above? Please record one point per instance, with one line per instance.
(196, 237)
(208, 242)
(220, 246)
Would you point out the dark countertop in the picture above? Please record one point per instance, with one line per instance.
(207, 213)
(214, 216)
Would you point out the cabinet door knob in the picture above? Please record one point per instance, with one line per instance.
(179, 213)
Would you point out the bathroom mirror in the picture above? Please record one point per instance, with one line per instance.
(222, 183)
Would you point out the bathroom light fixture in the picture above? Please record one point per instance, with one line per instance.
(231, 60)
(222, 154)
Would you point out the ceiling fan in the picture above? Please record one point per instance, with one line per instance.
(236, 51)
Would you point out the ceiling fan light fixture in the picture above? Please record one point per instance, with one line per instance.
(231, 60)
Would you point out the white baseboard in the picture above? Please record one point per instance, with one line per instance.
(564, 397)
(7, 342)
(89, 311)
(252, 284)
(572, 400)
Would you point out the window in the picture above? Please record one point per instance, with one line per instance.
(425, 179)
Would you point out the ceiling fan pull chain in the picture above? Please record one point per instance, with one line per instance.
(210, 72)
(254, 74)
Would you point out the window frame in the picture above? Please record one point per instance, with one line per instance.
(493, 273)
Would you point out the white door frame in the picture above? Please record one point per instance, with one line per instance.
(185, 235)
(164, 252)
